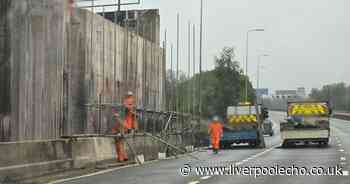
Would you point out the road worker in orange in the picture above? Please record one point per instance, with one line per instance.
(126, 123)
(215, 131)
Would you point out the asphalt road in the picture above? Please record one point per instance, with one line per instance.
(168, 171)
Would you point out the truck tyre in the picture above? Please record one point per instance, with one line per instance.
(226, 145)
(285, 144)
(323, 143)
(261, 145)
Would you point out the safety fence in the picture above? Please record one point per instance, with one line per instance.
(100, 121)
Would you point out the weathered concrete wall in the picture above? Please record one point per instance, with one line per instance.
(108, 60)
(4, 57)
(54, 62)
(34, 68)
(25, 161)
(22, 159)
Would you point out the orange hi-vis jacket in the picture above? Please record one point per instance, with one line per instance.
(129, 122)
(129, 117)
(216, 131)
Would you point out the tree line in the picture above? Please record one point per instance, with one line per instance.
(338, 95)
(221, 87)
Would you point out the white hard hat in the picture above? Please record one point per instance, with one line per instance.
(130, 93)
(215, 118)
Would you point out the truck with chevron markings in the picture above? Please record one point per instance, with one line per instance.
(307, 122)
(243, 125)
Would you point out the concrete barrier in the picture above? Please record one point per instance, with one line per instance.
(28, 159)
(343, 116)
(34, 158)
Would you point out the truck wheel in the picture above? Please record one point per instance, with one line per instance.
(285, 144)
(323, 143)
(261, 145)
(252, 144)
(226, 146)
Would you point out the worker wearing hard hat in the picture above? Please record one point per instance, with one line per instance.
(126, 122)
(215, 131)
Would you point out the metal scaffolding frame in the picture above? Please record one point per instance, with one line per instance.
(102, 5)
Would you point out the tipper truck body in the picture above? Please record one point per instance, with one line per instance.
(307, 122)
(243, 126)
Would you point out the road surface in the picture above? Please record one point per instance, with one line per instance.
(168, 171)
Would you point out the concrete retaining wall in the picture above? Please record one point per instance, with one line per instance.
(33, 158)
(28, 159)
(54, 61)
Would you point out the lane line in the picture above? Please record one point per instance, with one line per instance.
(205, 177)
(342, 158)
(341, 150)
(256, 155)
(114, 169)
(193, 182)
(245, 160)
(92, 174)
(345, 173)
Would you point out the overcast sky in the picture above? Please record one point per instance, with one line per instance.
(307, 40)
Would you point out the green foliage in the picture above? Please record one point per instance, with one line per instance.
(337, 94)
(222, 87)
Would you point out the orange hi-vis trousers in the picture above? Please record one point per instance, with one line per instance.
(215, 142)
(121, 155)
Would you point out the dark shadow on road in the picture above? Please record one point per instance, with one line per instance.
(303, 146)
(239, 147)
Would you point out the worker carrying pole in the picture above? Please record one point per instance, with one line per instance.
(215, 131)
(125, 123)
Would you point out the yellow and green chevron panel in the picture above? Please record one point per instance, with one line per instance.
(308, 109)
(236, 119)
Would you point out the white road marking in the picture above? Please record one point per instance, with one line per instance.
(342, 158)
(339, 145)
(268, 150)
(193, 182)
(342, 163)
(341, 150)
(113, 169)
(345, 173)
(133, 165)
(256, 155)
(92, 174)
(205, 177)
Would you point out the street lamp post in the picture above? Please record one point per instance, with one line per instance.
(258, 70)
(246, 62)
